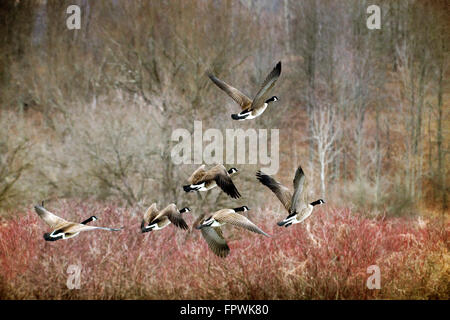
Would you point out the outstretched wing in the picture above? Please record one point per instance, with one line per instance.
(268, 83)
(49, 218)
(223, 180)
(283, 194)
(171, 212)
(150, 214)
(82, 227)
(197, 175)
(215, 240)
(238, 220)
(298, 199)
(242, 100)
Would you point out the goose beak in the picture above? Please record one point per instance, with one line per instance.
(199, 226)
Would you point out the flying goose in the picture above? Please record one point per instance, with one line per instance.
(204, 180)
(63, 229)
(251, 108)
(296, 204)
(212, 232)
(157, 220)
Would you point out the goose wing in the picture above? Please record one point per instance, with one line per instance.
(216, 241)
(197, 175)
(233, 218)
(82, 227)
(150, 214)
(171, 212)
(242, 100)
(223, 180)
(283, 194)
(298, 199)
(268, 83)
(52, 220)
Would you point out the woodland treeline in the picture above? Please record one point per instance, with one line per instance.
(88, 113)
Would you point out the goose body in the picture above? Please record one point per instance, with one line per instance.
(295, 203)
(251, 109)
(204, 186)
(297, 218)
(204, 180)
(212, 232)
(155, 219)
(248, 115)
(63, 229)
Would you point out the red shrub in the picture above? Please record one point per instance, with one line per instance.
(324, 258)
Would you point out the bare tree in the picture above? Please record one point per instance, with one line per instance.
(14, 161)
(324, 133)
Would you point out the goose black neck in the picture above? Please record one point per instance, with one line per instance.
(315, 203)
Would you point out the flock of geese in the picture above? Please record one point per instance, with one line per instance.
(296, 203)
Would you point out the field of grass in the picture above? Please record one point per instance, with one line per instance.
(325, 258)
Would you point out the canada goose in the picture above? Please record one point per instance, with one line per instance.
(157, 220)
(251, 108)
(296, 204)
(212, 233)
(204, 180)
(63, 229)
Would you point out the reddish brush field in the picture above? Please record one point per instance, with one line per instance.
(325, 258)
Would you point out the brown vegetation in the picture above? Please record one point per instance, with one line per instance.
(95, 107)
(86, 116)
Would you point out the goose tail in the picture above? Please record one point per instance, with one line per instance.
(281, 223)
(238, 116)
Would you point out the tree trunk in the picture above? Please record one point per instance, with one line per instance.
(286, 25)
(378, 155)
(322, 173)
(440, 151)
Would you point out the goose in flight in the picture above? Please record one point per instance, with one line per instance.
(251, 108)
(204, 180)
(296, 204)
(63, 229)
(155, 219)
(212, 232)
